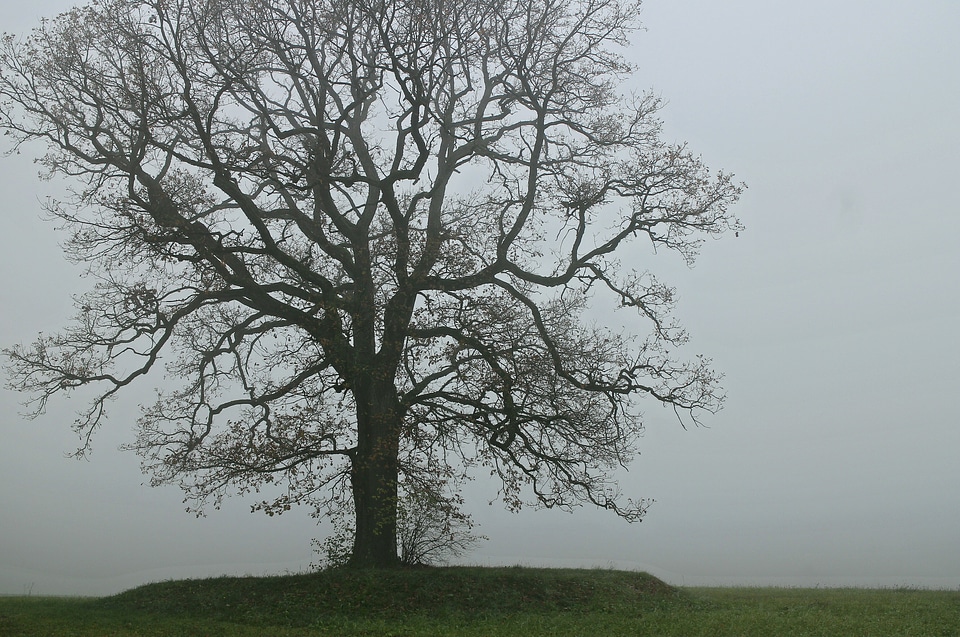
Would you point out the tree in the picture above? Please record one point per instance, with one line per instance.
(363, 238)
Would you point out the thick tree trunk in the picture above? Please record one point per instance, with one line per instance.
(374, 475)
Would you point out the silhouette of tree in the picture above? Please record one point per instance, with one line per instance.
(361, 239)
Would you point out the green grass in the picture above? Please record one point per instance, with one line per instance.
(480, 601)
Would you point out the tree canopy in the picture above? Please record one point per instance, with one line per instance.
(362, 240)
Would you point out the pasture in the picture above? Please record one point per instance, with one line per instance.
(480, 601)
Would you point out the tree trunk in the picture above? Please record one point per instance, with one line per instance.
(374, 475)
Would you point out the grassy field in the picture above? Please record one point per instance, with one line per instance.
(480, 601)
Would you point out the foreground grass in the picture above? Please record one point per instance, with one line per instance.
(480, 601)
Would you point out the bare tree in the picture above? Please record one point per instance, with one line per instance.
(431, 530)
(362, 236)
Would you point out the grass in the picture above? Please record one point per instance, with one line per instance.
(480, 601)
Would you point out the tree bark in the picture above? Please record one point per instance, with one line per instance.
(374, 475)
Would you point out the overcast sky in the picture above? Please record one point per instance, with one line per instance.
(834, 317)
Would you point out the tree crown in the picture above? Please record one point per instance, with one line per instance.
(307, 208)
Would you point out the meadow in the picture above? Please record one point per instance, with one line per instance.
(480, 601)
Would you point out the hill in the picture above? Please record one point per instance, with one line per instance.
(307, 598)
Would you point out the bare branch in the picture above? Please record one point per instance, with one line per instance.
(365, 238)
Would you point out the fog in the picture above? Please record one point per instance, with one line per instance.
(833, 316)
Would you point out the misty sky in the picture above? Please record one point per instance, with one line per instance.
(834, 317)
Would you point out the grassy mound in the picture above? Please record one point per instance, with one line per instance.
(478, 592)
